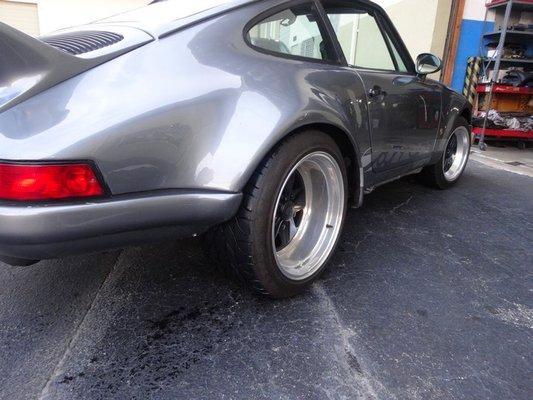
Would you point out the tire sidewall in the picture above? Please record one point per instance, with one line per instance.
(287, 156)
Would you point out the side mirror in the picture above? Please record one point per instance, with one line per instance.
(427, 64)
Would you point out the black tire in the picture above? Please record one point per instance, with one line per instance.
(243, 245)
(433, 175)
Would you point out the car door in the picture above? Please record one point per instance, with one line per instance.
(404, 110)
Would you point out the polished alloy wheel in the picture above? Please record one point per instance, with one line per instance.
(456, 154)
(308, 215)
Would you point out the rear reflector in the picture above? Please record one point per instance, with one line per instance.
(47, 182)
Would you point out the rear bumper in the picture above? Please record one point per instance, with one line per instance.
(48, 231)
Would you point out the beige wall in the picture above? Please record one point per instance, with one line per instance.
(57, 14)
(21, 15)
(440, 32)
(423, 24)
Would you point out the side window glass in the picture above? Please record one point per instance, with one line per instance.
(361, 39)
(294, 31)
(398, 58)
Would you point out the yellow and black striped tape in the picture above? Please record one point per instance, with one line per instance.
(471, 80)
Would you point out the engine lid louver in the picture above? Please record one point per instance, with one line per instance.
(77, 43)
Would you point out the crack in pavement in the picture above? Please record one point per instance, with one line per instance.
(406, 202)
(521, 315)
(56, 372)
(349, 359)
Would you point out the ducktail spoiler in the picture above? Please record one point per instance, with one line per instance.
(29, 66)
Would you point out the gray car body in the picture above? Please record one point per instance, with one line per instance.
(176, 118)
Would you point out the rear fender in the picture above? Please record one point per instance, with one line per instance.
(454, 106)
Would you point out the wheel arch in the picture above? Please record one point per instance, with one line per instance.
(349, 150)
(455, 106)
(466, 113)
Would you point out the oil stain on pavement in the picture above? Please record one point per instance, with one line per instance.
(427, 297)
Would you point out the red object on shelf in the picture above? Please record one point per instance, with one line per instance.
(504, 89)
(504, 133)
(492, 3)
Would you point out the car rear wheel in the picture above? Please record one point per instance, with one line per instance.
(451, 165)
(290, 219)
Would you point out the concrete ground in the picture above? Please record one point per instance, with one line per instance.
(429, 296)
(506, 156)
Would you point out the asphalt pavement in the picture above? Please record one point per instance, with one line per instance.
(429, 296)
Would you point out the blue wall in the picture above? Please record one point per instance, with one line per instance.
(471, 32)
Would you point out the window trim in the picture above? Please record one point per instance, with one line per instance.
(391, 46)
(387, 43)
(389, 29)
(385, 25)
(315, 9)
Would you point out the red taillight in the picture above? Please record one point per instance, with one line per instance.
(48, 181)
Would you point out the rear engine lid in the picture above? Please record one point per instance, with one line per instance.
(94, 41)
(30, 66)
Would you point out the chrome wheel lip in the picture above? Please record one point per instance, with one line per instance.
(322, 217)
(459, 156)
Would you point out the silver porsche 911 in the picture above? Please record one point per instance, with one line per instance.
(253, 123)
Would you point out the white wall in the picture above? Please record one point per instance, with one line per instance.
(474, 9)
(23, 16)
(422, 24)
(415, 23)
(57, 14)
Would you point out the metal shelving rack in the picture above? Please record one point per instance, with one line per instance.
(502, 35)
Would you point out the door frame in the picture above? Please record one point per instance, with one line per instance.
(375, 178)
(385, 25)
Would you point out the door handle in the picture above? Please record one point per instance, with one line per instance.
(376, 91)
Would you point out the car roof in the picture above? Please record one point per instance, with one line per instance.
(161, 17)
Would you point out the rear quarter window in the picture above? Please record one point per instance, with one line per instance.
(291, 32)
